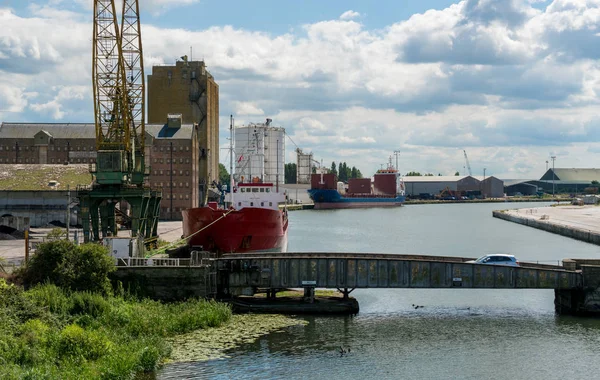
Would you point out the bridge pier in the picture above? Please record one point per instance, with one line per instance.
(583, 301)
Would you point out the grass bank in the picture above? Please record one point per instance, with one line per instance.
(46, 332)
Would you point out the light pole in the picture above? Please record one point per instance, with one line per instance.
(553, 175)
(483, 183)
(546, 165)
(171, 179)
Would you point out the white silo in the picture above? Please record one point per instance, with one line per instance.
(259, 152)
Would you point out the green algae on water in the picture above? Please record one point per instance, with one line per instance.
(202, 345)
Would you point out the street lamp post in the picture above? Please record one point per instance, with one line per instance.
(553, 175)
(484, 182)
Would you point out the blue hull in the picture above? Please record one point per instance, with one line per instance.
(331, 199)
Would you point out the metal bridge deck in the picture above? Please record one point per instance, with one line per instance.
(364, 270)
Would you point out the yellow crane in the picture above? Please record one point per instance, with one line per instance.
(119, 109)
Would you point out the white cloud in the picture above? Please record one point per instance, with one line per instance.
(506, 81)
(247, 109)
(349, 15)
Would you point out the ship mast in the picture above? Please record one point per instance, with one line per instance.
(231, 159)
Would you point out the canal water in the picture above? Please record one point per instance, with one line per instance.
(456, 334)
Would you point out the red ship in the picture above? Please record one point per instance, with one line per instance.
(252, 222)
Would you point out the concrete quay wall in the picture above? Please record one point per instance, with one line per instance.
(167, 283)
(587, 235)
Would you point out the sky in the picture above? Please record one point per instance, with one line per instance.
(511, 82)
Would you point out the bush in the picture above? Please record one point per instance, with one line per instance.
(71, 267)
(75, 342)
(52, 297)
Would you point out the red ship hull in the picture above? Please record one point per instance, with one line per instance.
(245, 230)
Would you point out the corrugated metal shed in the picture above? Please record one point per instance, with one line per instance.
(572, 175)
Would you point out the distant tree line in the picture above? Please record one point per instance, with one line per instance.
(344, 172)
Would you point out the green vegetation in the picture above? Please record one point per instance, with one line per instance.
(47, 332)
(70, 324)
(37, 177)
(290, 173)
(344, 172)
(223, 175)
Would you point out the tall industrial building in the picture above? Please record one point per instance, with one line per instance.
(190, 90)
(259, 153)
(304, 165)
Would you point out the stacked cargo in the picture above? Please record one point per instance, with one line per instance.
(323, 181)
(359, 186)
(385, 183)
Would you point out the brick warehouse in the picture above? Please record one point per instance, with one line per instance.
(171, 153)
(190, 90)
(187, 89)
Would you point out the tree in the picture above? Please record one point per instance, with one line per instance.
(353, 172)
(413, 174)
(77, 268)
(290, 173)
(333, 168)
(457, 174)
(223, 174)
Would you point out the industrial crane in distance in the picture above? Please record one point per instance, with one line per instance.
(467, 161)
(120, 172)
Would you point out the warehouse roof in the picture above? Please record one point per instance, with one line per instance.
(574, 174)
(511, 182)
(83, 130)
(435, 178)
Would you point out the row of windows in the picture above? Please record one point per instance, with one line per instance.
(160, 184)
(162, 148)
(58, 148)
(174, 196)
(262, 204)
(168, 161)
(52, 161)
(255, 190)
(167, 172)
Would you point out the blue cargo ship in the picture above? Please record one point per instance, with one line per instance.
(386, 190)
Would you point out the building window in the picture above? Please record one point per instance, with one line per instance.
(26, 147)
(27, 160)
(161, 172)
(181, 160)
(161, 148)
(78, 148)
(187, 184)
(187, 148)
(251, 203)
(270, 203)
(187, 172)
(239, 203)
(181, 172)
(58, 148)
(78, 161)
(84, 148)
(180, 184)
(155, 160)
(52, 147)
(262, 204)
(187, 160)
(187, 196)
(168, 161)
(161, 160)
(262, 190)
(84, 161)
(180, 197)
(181, 149)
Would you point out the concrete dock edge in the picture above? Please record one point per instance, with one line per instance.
(547, 225)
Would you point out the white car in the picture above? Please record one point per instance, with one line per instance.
(497, 259)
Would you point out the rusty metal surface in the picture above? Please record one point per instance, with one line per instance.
(386, 271)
